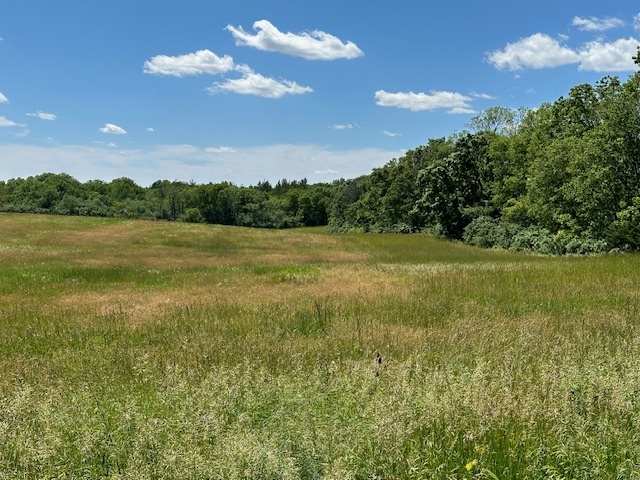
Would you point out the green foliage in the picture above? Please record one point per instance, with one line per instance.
(487, 232)
(456, 188)
(625, 231)
(290, 204)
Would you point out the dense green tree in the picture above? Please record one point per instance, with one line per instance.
(313, 205)
(456, 188)
(206, 198)
(124, 188)
(343, 205)
(498, 120)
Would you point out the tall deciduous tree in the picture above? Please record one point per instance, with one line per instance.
(456, 188)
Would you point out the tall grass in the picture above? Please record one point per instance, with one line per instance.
(156, 350)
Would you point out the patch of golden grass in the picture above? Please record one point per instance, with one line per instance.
(164, 245)
(238, 288)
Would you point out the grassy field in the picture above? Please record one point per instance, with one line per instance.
(150, 350)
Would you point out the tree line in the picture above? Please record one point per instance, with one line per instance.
(287, 204)
(562, 178)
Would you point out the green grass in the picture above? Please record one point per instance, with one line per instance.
(158, 350)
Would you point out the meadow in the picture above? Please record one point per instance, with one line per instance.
(158, 350)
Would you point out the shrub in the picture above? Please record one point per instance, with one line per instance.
(485, 232)
(536, 239)
(191, 215)
(625, 231)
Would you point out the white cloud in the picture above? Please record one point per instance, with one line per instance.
(595, 24)
(253, 83)
(200, 62)
(3, 99)
(455, 102)
(5, 122)
(315, 45)
(636, 22)
(609, 57)
(113, 129)
(537, 51)
(149, 129)
(220, 150)
(541, 51)
(342, 127)
(43, 115)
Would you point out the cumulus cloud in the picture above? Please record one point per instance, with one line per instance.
(43, 115)
(537, 51)
(3, 99)
(252, 83)
(454, 102)
(609, 57)
(200, 62)
(113, 129)
(595, 24)
(314, 45)
(541, 51)
(5, 122)
(205, 61)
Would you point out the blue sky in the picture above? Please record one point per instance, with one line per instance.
(250, 90)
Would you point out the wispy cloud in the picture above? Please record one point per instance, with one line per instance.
(43, 115)
(112, 129)
(636, 22)
(245, 166)
(454, 102)
(200, 62)
(482, 96)
(5, 122)
(3, 99)
(390, 134)
(314, 45)
(340, 126)
(150, 129)
(595, 24)
(220, 150)
(252, 83)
